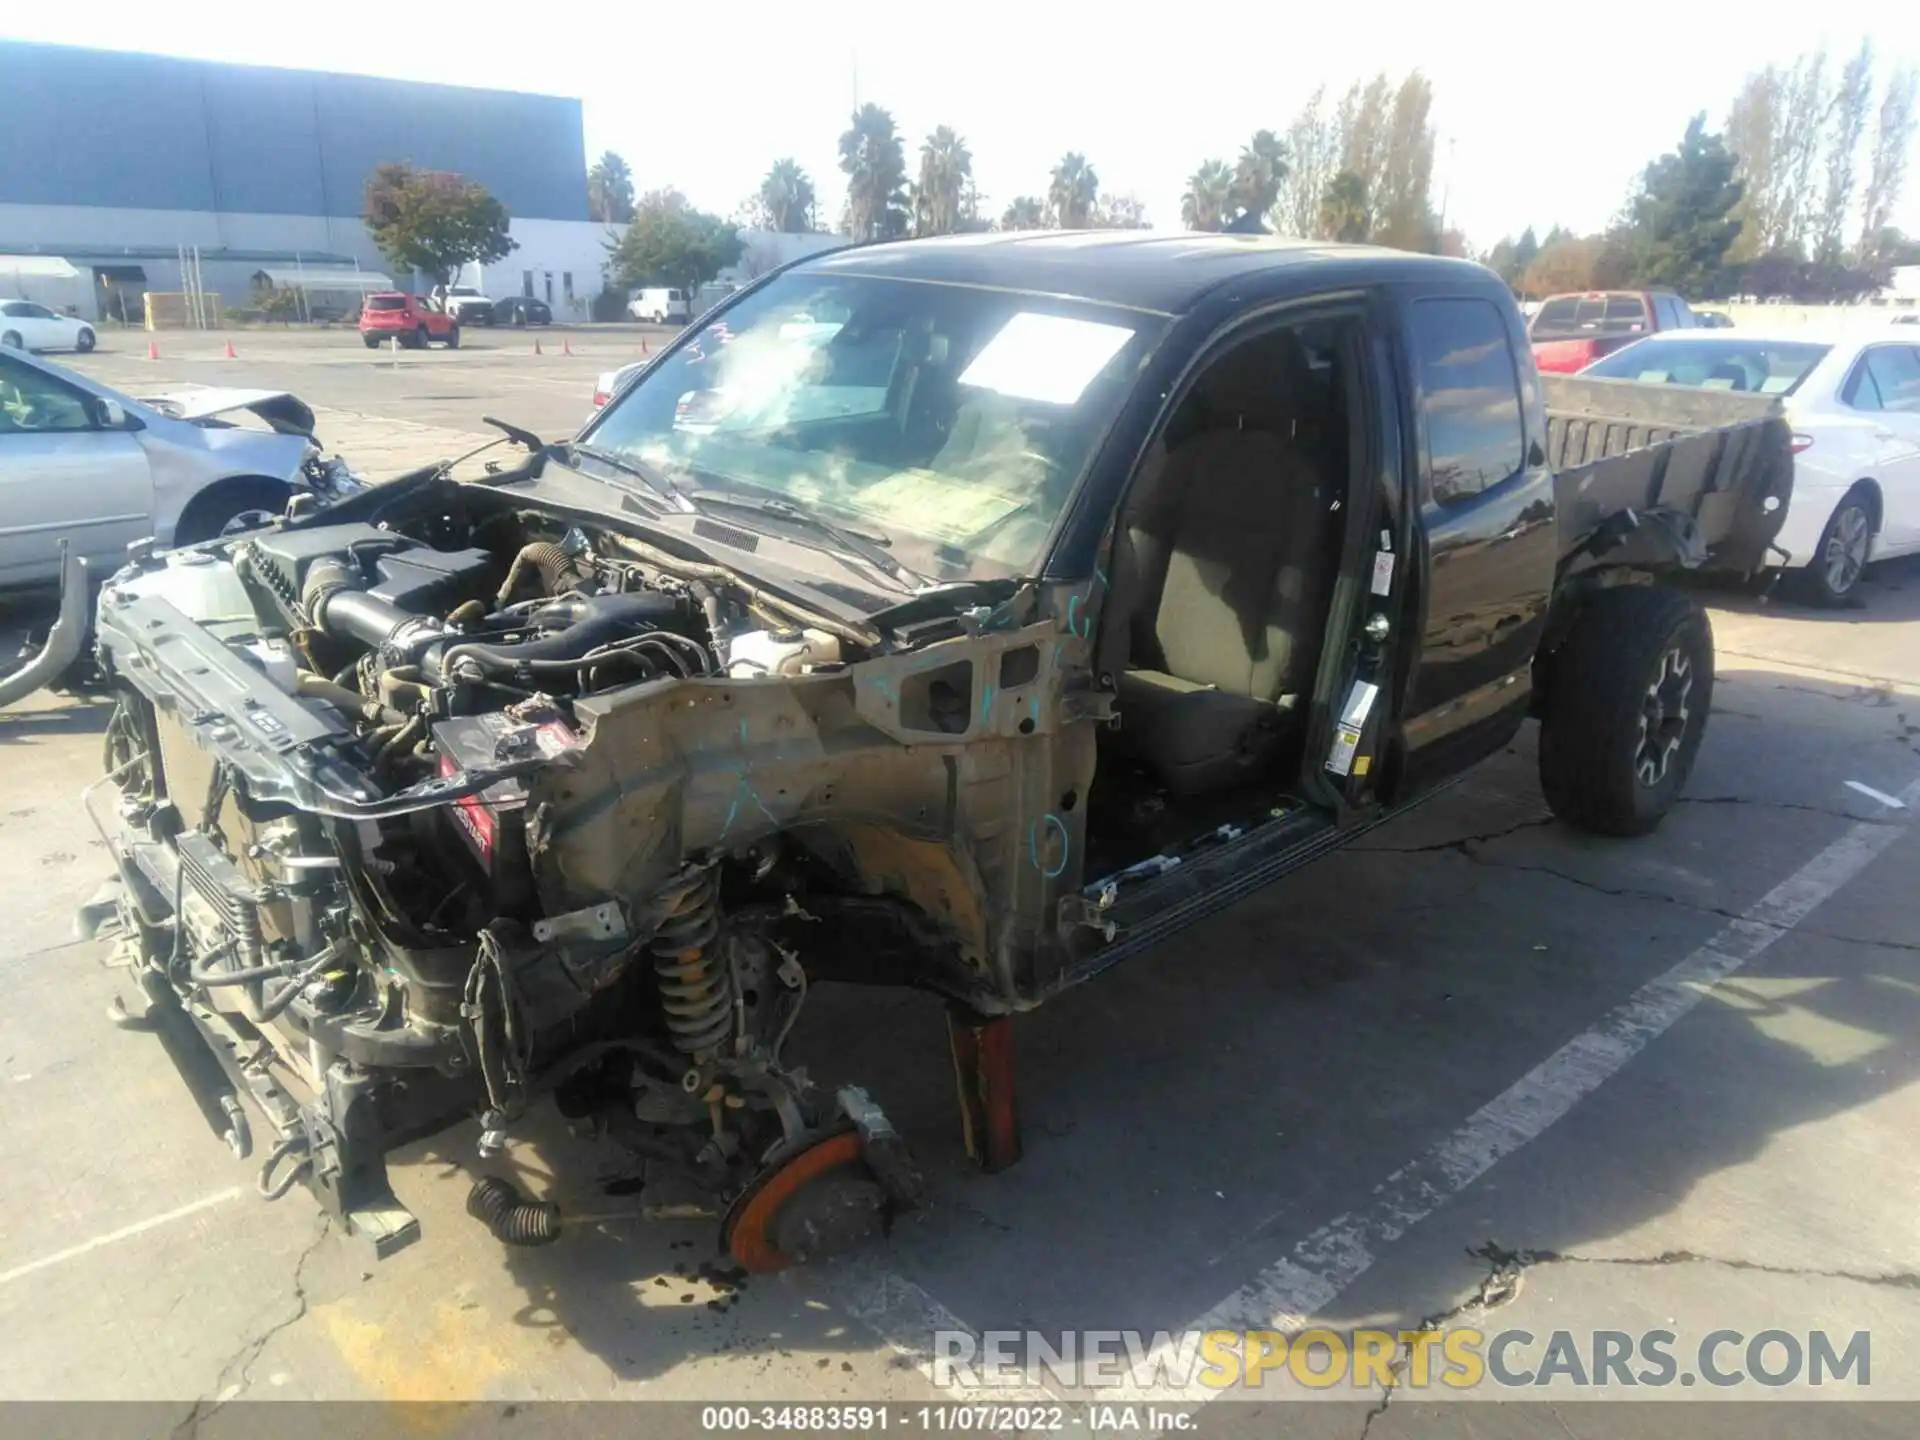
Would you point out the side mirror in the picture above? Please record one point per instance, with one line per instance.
(113, 416)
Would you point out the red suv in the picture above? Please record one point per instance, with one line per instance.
(407, 317)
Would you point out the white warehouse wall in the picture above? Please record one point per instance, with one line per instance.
(551, 258)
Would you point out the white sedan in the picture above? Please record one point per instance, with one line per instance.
(1853, 400)
(27, 326)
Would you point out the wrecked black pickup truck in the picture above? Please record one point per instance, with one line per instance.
(965, 614)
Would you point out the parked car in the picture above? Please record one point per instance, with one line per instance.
(1853, 401)
(464, 303)
(27, 326)
(611, 382)
(1570, 332)
(660, 305)
(946, 692)
(1713, 320)
(408, 319)
(83, 462)
(522, 310)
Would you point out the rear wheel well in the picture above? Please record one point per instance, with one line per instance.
(1869, 490)
(208, 511)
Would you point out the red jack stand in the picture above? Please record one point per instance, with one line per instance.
(982, 1048)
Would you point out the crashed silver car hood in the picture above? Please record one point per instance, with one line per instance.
(284, 412)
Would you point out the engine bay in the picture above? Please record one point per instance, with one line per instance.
(329, 753)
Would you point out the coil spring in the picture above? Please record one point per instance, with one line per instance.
(513, 1219)
(696, 988)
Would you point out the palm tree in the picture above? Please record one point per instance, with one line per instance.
(1258, 175)
(1071, 195)
(946, 167)
(1209, 198)
(610, 190)
(787, 197)
(1025, 213)
(1345, 213)
(876, 168)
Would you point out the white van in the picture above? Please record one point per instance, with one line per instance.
(660, 306)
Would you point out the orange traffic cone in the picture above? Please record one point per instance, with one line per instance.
(536, 345)
(566, 346)
(230, 354)
(153, 349)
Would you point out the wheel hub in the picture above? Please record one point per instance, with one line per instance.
(1663, 717)
(1846, 552)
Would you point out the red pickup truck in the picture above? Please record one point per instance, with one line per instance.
(1570, 332)
(408, 319)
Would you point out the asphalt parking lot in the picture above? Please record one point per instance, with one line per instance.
(1477, 1069)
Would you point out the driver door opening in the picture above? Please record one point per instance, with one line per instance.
(1224, 559)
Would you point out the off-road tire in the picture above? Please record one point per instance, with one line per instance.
(1613, 756)
(373, 341)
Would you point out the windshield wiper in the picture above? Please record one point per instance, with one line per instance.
(654, 480)
(870, 548)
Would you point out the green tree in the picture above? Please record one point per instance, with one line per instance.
(1682, 221)
(1208, 203)
(1345, 211)
(1524, 251)
(876, 169)
(1027, 212)
(1258, 175)
(671, 243)
(434, 221)
(1892, 150)
(786, 197)
(946, 168)
(610, 190)
(1072, 191)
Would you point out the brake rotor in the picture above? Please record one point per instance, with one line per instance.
(819, 1200)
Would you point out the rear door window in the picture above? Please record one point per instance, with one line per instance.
(1889, 379)
(1469, 397)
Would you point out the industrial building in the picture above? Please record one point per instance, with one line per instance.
(117, 167)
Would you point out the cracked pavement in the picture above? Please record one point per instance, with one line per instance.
(1188, 1117)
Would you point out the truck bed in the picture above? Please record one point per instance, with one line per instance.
(1716, 457)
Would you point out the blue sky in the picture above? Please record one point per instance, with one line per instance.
(1548, 110)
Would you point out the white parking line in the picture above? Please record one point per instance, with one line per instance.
(114, 1237)
(1289, 1292)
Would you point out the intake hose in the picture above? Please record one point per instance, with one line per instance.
(558, 571)
(589, 621)
(513, 1219)
(334, 597)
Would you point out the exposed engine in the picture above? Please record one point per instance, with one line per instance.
(325, 754)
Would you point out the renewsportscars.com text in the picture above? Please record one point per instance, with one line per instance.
(1457, 1358)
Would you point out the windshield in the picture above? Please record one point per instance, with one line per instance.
(1759, 367)
(950, 421)
(387, 302)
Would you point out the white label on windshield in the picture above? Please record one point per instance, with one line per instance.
(1045, 357)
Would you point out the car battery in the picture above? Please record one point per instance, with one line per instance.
(493, 822)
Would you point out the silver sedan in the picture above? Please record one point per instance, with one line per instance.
(85, 464)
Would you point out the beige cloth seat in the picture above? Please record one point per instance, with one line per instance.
(1222, 576)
